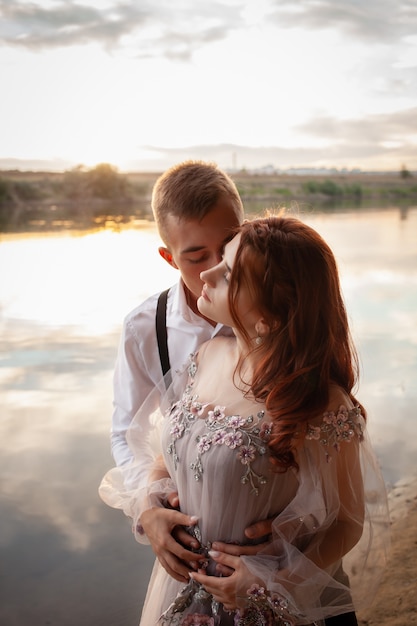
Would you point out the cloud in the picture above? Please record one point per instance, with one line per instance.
(157, 28)
(32, 26)
(381, 21)
(381, 141)
(160, 28)
(377, 129)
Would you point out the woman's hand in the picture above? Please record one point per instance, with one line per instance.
(226, 590)
(159, 525)
(237, 550)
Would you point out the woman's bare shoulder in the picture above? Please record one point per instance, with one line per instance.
(339, 397)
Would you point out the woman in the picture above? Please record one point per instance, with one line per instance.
(266, 426)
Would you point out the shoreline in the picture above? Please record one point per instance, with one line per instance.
(37, 201)
(395, 603)
(401, 498)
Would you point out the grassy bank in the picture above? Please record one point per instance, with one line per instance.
(101, 195)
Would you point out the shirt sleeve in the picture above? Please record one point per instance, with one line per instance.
(137, 373)
(129, 486)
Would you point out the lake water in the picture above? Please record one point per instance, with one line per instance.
(65, 558)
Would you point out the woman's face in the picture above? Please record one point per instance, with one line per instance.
(214, 300)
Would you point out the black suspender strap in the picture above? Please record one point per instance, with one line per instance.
(161, 331)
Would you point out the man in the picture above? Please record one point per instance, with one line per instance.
(196, 208)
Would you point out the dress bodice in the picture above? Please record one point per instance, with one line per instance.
(221, 464)
(220, 460)
(332, 506)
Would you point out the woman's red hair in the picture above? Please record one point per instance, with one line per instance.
(292, 274)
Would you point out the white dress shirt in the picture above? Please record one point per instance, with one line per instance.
(138, 368)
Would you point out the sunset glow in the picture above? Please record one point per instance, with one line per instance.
(243, 83)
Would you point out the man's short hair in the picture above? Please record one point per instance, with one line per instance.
(189, 191)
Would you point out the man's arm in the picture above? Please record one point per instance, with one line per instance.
(135, 377)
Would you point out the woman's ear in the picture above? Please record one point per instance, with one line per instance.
(262, 328)
(167, 256)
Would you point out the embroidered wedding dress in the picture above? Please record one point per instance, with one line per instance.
(218, 461)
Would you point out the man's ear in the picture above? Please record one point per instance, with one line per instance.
(167, 256)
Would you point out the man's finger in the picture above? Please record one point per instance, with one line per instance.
(259, 529)
(179, 551)
(175, 569)
(223, 570)
(181, 536)
(173, 500)
(235, 550)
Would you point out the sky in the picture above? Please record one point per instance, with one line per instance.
(245, 83)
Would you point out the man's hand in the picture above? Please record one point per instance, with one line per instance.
(169, 540)
(180, 535)
(259, 529)
(173, 501)
(159, 524)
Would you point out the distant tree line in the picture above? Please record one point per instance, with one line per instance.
(332, 190)
(85, 197)
(102, 181)
(82, 194)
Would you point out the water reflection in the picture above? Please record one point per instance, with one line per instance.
(79, 280)
(66, 558)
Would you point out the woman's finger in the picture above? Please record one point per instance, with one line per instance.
(225, 559)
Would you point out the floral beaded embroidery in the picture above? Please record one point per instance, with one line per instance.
(244, 434)
(266, 608)
(336, 427)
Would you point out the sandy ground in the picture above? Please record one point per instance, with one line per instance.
(396, 601)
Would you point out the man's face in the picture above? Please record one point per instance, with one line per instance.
(194, 246)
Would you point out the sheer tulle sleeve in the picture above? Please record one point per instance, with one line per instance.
(330, 543)
(330, 530)
(130, 487)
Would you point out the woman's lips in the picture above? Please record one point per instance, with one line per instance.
(204, 294)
